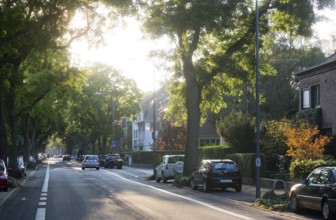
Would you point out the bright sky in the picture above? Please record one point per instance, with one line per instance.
(127, 50)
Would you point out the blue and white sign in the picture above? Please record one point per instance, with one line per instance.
(113, 144)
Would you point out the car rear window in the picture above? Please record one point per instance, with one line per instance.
(175, 159)
(224, 166)
(91, 158)
(2, 167)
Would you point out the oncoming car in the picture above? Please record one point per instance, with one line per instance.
(317, 192)
(169, 167)
(90, 161)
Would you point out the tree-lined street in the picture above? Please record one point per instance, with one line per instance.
(61, 190)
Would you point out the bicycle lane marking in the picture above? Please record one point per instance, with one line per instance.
(41, 210)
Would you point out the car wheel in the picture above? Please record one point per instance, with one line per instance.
(97, 168)
(205, 186)
(193, 184)
(157, 179)
(164, 179)
(83, 168)
(326, 211)
(239, 188)
(293, 203)
(5, 189)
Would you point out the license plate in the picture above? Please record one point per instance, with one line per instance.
(226, 181)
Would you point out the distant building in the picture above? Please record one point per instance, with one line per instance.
(143, 126)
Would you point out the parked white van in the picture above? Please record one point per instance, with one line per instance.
(169, 167)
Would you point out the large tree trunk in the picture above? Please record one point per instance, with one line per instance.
(3, 131)
(13, 125)
(193, 111)
(27, 142)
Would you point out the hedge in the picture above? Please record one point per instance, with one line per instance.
(247, 164)
(245, 161)
(301, 169)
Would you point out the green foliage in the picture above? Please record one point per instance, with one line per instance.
(13, 182)
(273, 141)
(214, 152)
(237, 129)
(247, 164)
(273, 202)
(146, 157)
(300, 169)
(181, 181)
(312, 115)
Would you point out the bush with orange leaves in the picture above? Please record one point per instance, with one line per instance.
(305, 143)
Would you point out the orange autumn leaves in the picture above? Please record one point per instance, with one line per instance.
(304, 142)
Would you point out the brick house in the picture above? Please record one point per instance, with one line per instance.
(317, 86)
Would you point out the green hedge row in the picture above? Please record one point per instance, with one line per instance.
(245, 161)
(247, 164)
(301, 169)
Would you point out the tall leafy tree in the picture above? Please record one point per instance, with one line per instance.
(106, 97)
(215, 42)
(37, 25)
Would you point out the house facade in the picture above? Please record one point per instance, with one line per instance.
(317, 86)
(147, 122)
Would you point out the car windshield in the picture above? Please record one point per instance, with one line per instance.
(224, 166)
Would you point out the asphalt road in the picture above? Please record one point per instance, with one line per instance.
(61, 190)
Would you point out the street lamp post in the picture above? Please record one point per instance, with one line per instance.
(154, 122)
(258, 162)
(113, 141)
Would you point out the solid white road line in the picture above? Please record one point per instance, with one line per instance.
(40, 214)
(187, 198)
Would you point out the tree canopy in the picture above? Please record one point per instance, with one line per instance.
(215, 43)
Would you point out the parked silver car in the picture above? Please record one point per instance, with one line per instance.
(90, 161)
(169, 167)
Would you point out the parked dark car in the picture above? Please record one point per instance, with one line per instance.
(113, 160)
(317, 192)
(216, 174)
(3, 176)
(101, 160)
(66, 157)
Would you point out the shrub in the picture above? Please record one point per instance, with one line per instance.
(13, 182)
(300, 169)
(304, 142)
(214, 152)
(181, 181)
(247, 165)
(237, 129)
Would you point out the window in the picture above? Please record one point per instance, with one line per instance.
(315, 96)
(305, 98)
